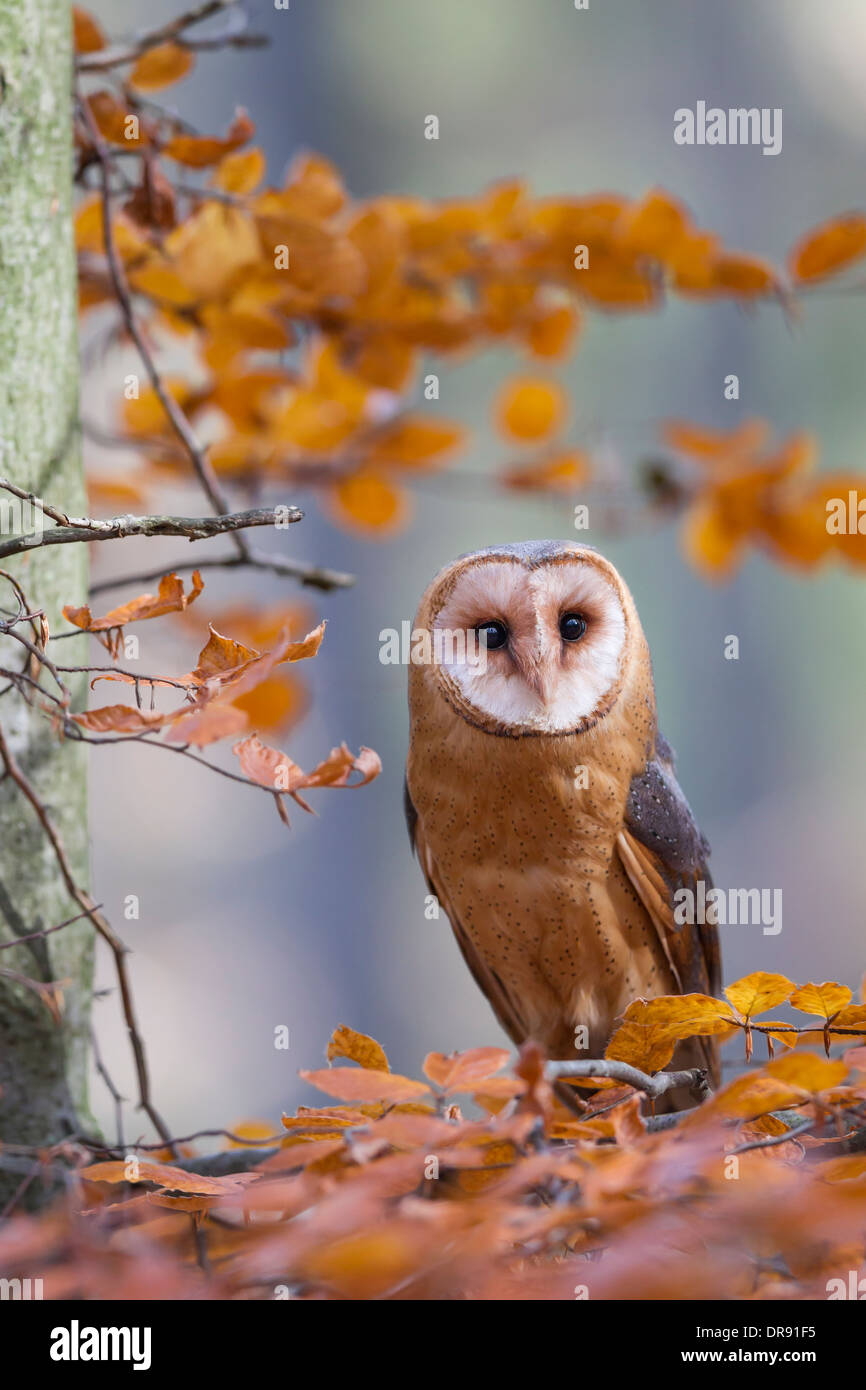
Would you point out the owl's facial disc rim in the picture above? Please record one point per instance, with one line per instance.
(538, 726)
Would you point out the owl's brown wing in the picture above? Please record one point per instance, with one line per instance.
(662, 851)
(503, 1005)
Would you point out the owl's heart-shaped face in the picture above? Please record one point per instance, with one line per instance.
(552, 621)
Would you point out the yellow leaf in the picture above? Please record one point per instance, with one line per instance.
(240, 172)
(806, 1071)
(357, 1047)
(825, 999)
(755, 993)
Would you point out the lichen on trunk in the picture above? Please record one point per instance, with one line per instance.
(43, 1066)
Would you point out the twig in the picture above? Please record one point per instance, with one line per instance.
(194, 528)
(311, 576)
(113, 1091)
(166, 33)
(771, 1140)
(47, 931)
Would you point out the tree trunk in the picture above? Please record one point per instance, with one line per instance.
(43, 1065)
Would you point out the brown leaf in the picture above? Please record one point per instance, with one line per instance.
(164, 1175)
(170, 599)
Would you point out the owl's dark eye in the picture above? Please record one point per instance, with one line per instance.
(492, 634)
(572, 627)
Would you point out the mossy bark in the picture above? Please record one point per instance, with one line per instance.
(43, 1066)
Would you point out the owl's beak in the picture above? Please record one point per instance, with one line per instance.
(539, 674)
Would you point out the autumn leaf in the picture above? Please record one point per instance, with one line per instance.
(464, 1071)
(560, 472)
(806, 1071)
(362, 1084)
(164, 1175)
(117, 124)
(357, 1047)
(530, 409)
(825, 1000)
(88, 36)
(367, 501)
(832, 247)
(171, 598)
(160, 66)
(756, 993)
(122, 719)
(240, 173)
(200, 151)
(200, 727)
(275, 770)
(644, 1038)
(417, 443)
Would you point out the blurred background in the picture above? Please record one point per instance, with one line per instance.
(244, 925)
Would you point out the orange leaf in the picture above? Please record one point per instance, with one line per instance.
(416, 442)
(363, 1084)
(464, 1071)
(552, 330)
(170, 599)
(88, 36)
(806, 1071)
(275, 770)
(274, 704)
(163, 1174)
(115, 123)
(200, 727)
(240, 173)
(357, 1047)
(199, 151)
(530, 409)
(367, 500)
(121, 719)
(644, 1038)
(558, 473)
(160, 66)
(831, 247)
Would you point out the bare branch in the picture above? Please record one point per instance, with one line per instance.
(311, 576)
(651, 1086)
(194, 528)
(166, 33)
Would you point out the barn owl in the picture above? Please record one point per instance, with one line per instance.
(542, 800)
